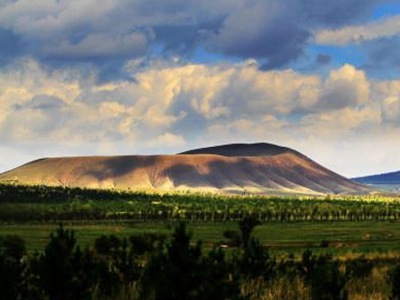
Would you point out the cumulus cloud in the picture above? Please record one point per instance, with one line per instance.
(172, 107)
(345, 87)
(391, 109)
(390, 102)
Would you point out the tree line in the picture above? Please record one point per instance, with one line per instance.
(42, 203)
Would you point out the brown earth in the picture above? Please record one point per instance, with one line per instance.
(235, 168)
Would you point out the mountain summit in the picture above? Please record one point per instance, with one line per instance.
(234, 168)
(259, 149)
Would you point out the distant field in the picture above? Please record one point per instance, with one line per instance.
(394, 187)
(335, 224)
(339, 238)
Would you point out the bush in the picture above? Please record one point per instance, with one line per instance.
(394, 280)
(327, 281)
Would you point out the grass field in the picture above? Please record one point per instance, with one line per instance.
(368, 225)
(372, 238)
(353, 230)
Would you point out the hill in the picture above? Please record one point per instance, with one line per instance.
(258, 149)
(386, 181)
(235, 168)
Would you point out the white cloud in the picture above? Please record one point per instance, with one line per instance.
(345, 87)
(385, 27)
(391, 109)
(166, 140)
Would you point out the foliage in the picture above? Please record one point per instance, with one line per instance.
(42, 203)
(327, 281)
(156, 267)
(12, 249)
(127, 266)
(64, 271)
(182, 272)
(360, 267)
(394, 278)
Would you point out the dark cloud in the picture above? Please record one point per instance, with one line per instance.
(341, 95)
(177, 39)
(100, 45)
(263, 30)
(383, 53)
(45, 102)
(11, 46)
(278, 31)
(323, 59)
(337, 12)
(182, 39)
(274, 31)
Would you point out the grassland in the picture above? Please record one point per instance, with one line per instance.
(331, 225)
(338, 238)
(346, 228)
(352, 224)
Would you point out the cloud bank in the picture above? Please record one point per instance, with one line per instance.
(386, 27)
(274, 31)
(171, 106)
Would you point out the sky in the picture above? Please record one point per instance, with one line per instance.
(164, 76)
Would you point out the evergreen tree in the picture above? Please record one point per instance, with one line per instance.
(181, 272)
(64, 271)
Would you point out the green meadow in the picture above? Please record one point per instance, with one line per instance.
(301, 246)
(338, 238)
(337, 225)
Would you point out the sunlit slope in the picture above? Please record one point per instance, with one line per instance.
(258, 168)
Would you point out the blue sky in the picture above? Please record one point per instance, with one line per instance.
(164, 76)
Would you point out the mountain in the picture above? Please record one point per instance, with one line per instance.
(259, 149)
(234, 168)
(387, 181)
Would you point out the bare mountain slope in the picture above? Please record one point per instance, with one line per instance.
(259, 168)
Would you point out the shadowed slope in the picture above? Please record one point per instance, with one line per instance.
(386, 178)
(258, 149)
(387, 182)
(258, 168)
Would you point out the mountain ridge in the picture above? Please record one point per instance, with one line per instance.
(383, 178)
(241, 149)
(232, 168)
